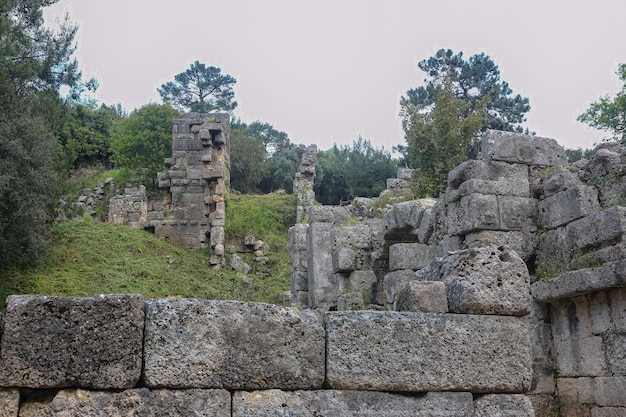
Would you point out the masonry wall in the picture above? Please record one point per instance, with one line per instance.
(123, 355)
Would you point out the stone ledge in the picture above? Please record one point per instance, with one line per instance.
(582, 281)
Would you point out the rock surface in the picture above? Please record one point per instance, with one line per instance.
(328, 403)
(51, 342)
(386, 351)
(140, 402)
(231, 345)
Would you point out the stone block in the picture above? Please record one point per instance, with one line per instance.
(410, 256)
(610, 391)
(580, 356)
(344, 260)
(473, 212)
(427, 225)
(598, 229)
(402, 222)
(322, 282)
(503, 405)
(424, 296)
(517, 213)
(362, 281)
(490, 177)
(329, 403)
(482, 281)
(521, 242)
(9, 402)
(394, 282)
(51, 342)
(329, 214)
(140, 402)
(409, 352)
(518, 148)
(574, 391)
(608, 412)
(560, 181)
(231, 345)
(356, 237)
(350, 301)
(566, 206)
(583, 281)
(617, 302)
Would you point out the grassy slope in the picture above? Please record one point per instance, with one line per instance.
(94, 258)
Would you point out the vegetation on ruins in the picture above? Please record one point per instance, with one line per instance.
(609, 114)
(442, 118)
(200, 89)
(344, 172)
(144, 139)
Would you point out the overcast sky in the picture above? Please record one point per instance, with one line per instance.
(328, 71)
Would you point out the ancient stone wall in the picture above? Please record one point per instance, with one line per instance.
(511, 220)
(120, 355)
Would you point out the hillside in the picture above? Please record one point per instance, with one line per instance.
(91, 257)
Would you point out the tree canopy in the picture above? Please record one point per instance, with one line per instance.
(345, 172)
(200, 89)
(608, 113)
(144, 139)
(476, 82)
(437, 139)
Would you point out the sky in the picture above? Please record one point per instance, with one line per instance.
(327, 71)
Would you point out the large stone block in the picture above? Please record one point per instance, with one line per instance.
(231, 345)
(391, 351)
(473, 212)
(521, 149)
(517, 213)
(560, 181)
(394, 282)
(598, 229)
(328, 403)
(503, 405)
(583, 281)
(402, 222)
(322, 280)
(610, 391)
(9, 402)
(410, 256)
(569, 205)
(140, 402)
(329, 214)
(482, 281)
(424, 296)
(524, 243)
(51, 342)
(490, 177)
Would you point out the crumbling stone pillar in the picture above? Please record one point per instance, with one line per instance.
(198, 177)
(303, 184)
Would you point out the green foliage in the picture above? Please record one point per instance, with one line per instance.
(28, 184)
(256, 215)
(86, 134)
(248, 163)
(609, 114)
(476, 82)
(200, 89)
(144, 139)
(438, 138)
(345, 172)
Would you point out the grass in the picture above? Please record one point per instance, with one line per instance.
(90, 258)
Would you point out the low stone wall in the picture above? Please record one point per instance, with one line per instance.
(119, 355)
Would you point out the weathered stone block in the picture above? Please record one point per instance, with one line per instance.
(600, 228)
(503, 405)
(517, 213)
(617, 302)
(490, 177)
(390, 351)
(569, 205)
(356, 237)
(610, 391)
(573, 283)
(424, 296)
(53, 342)
(140, 402)
(363, 281)
(394, 282)
(608, 412)
(482, 281)
(522, 149)
(328, 403)
(521, 242)
(580, 356)
(344, 260)
(350, 301)
(232, 345)
(9, 402)
(560, 181)
(402, 222)
(473, 212)
(329, 214)
(322, 282)
(410, 256)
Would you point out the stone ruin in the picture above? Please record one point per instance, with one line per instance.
(484, 251)
(193, 214)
